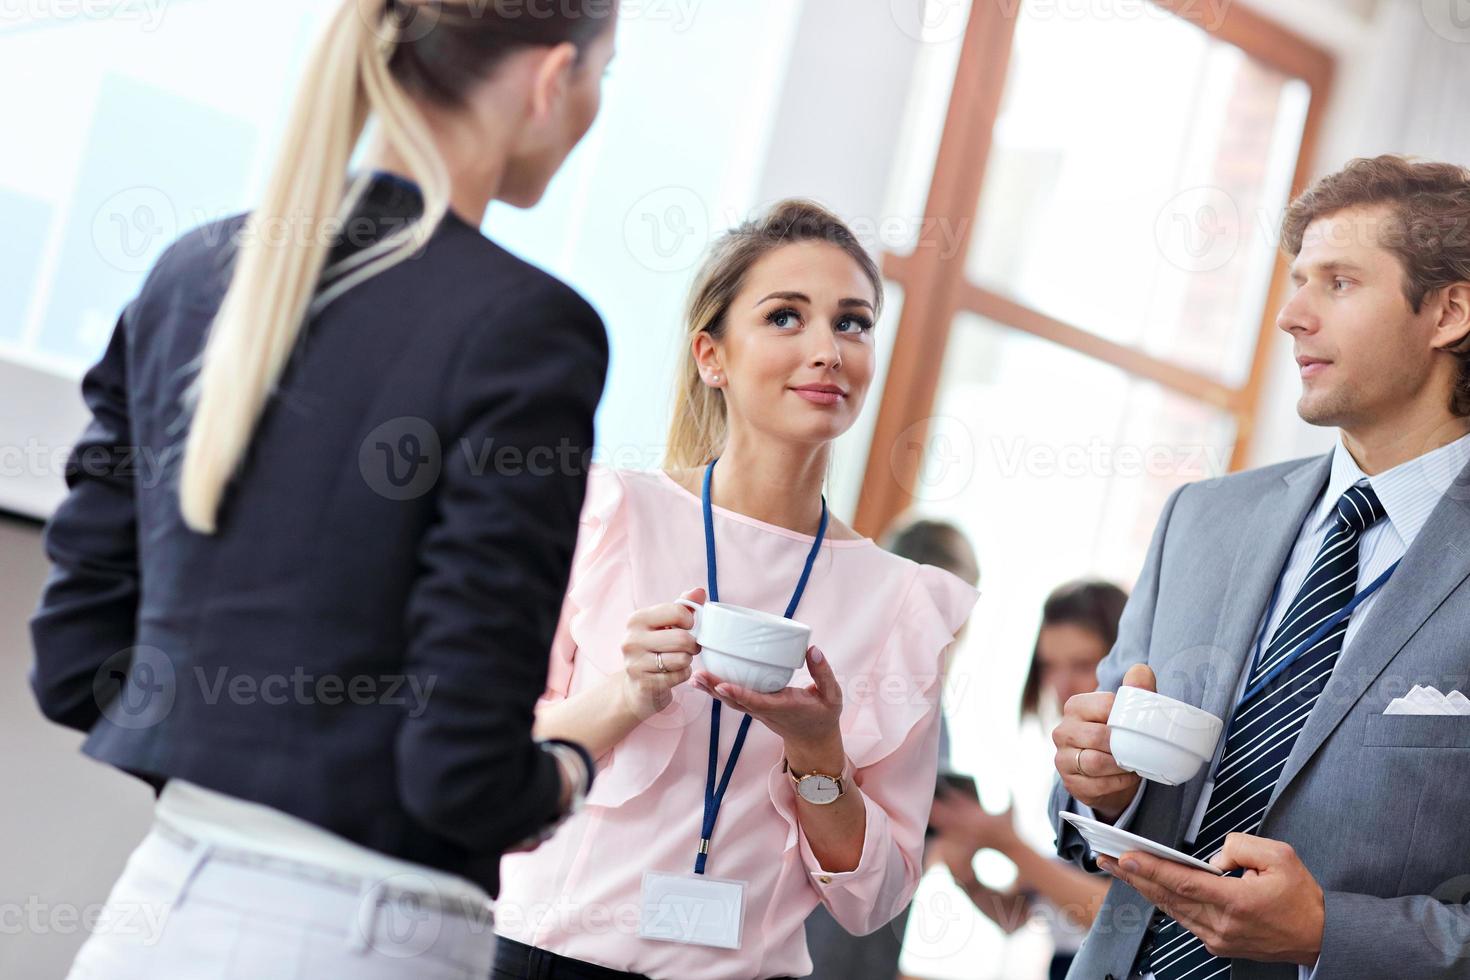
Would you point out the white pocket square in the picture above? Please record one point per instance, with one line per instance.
(1428, 701)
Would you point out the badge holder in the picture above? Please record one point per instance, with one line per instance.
(693, 908)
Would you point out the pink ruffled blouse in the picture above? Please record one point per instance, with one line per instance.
(884, 623)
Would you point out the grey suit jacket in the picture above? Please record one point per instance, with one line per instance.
(1377, 806)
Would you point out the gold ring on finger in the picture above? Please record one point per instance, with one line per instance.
(1080, 770)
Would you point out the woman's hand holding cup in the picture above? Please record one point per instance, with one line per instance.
(657, 652)
(1084, 757)
(806, 718)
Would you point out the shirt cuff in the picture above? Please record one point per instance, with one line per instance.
(1124, 818)
(875, 889)
(875, 831)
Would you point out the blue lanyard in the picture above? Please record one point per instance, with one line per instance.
(1332, 623)
(713, 795)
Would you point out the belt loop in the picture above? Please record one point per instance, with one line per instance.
(197, 859)
(365, 916)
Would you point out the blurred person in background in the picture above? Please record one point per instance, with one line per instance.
(1079, 624)
(836, 952)
(828, 799)
(319, 378)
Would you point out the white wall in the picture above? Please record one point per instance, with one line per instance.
(833, 140)
(43, 415)
(68, 823)
(1403, 71)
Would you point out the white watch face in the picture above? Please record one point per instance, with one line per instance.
(818, 789)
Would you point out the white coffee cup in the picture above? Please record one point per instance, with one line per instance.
(746, 646)
(1161, 738)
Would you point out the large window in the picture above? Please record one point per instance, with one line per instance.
(1083, 330)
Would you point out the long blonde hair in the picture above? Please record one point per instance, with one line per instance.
(699, 424)
(374, 59)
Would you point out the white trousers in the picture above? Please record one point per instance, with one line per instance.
(187, 910)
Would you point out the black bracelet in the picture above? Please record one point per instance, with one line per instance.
(587, 761)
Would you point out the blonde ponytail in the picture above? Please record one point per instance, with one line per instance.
(269, 298)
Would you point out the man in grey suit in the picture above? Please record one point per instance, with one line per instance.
(1295, 602)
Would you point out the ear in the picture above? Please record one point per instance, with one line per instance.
(1453, 326)
(707, 354)
(550, 78)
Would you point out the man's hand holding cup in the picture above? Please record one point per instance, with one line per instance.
(1084, 757)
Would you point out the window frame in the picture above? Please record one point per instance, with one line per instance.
(936, 288)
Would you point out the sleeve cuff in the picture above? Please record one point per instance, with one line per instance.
(1073, 847)
(875, 831)
(1124, 818)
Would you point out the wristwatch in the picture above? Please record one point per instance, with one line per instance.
(817, 787)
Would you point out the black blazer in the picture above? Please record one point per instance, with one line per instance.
(363, 640)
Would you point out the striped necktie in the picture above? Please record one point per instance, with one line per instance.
(1264, 729)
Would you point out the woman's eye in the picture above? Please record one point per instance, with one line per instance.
(862, 324)
(783, 317)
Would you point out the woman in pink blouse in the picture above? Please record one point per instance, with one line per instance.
(779, 362)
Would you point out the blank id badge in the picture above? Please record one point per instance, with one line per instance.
(692, 909)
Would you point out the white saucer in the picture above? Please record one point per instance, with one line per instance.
(1113, 842)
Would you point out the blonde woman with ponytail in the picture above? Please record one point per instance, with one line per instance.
(826, 797)
(321, 634)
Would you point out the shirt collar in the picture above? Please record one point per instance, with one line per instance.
(1409, 492)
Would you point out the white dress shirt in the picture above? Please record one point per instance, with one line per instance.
(1408, 492)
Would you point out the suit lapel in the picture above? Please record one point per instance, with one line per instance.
(1268, 535)
(1434, 566)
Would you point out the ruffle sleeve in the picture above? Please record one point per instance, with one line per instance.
(599, 573)
(890, 724)
(899, 686)
(587, 649)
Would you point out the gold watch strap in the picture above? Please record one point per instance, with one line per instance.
(841, 780)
